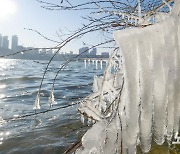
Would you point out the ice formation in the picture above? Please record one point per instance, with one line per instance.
(37, 102)
(137, 99)
(51, 98)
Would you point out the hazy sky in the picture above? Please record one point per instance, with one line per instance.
(15, 15)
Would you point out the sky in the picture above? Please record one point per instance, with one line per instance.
(16, 16)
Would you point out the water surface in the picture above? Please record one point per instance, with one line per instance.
(51, 132)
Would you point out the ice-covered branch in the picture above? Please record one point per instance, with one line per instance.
(148, 104)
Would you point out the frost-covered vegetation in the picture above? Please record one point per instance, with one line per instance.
(140, 100)
(137, 98)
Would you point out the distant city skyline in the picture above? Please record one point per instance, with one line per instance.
(5, 42)
(31, 53)
(14, 46)
(11, 42)
(30, 15)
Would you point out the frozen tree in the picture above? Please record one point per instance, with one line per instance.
(147, 103)
(137, 98)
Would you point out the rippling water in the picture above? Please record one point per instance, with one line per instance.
(51, 132)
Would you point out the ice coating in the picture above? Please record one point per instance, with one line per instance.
(146, 90)
(170, 59)
(52, 99)
(37, 102)
(177, 69)
(158, 49)
(141, 98)
(131, 75)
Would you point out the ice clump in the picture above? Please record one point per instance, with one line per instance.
(138, 97)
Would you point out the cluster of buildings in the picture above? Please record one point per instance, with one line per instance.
(86, 51)
(6, 48)
(4, 42)
(5, 45)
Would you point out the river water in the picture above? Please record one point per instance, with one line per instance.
(53, 131)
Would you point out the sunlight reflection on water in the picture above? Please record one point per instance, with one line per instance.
(2, 96)
(6, 63)
(3, 136)
(2, 86)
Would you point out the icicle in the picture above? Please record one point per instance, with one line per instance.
(146, 90)
(177, 82)
(170, 60)
(37, 102)
(131, 61)
(82, 118)
(51, 98)
(85, 66)
(159, 85)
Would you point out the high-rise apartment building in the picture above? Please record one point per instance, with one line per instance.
(84, 51)
(14, 44)
(5, 42)
(93, 51)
